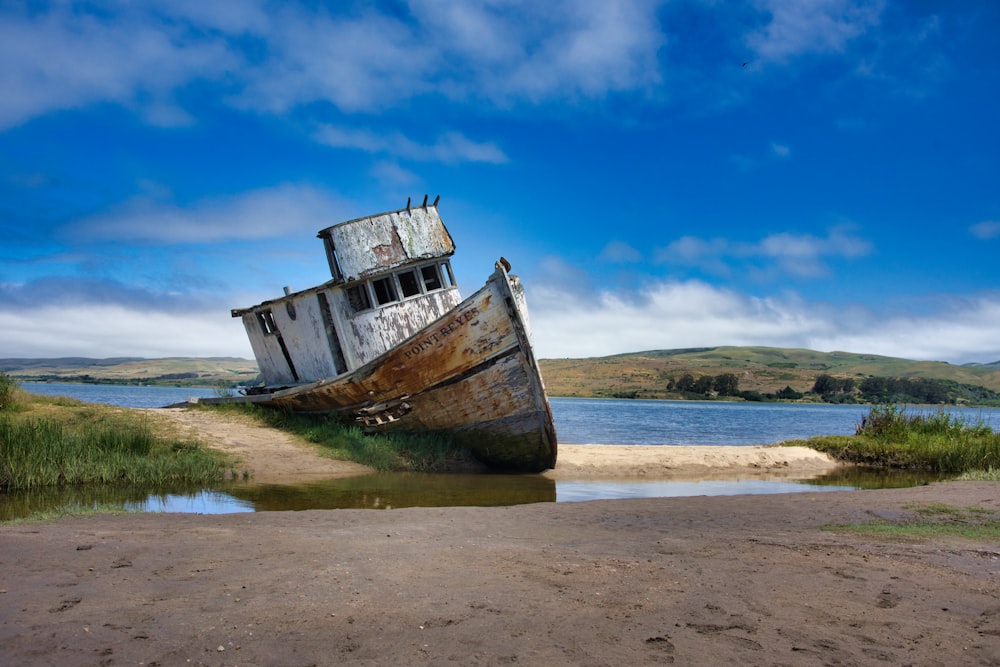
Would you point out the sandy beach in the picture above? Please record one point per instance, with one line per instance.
(275, 457)
(760, 580)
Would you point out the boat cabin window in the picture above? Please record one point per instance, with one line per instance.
(401, 285)
(266, 320)
(357, 296)
(385, 290)
(448, 275)
(408, 284)
(332, 258)
(432, 280)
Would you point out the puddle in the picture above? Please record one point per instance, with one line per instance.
(397, 490)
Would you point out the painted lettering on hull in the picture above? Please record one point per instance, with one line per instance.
(432, 339)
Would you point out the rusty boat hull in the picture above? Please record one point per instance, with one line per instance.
(470, 374)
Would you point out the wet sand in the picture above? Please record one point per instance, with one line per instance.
(710, 580)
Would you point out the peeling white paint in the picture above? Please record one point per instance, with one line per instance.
(299, 350)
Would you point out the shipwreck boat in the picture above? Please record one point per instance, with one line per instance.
(389, 343)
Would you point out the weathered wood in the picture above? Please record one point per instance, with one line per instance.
(467, 374)
(428, 364)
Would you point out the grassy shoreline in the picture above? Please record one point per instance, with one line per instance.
(889, 437)
(385, 452)
(55, 442)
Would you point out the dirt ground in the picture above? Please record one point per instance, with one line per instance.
(755, 580)
(270, 455)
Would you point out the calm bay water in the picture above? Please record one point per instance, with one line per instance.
(587, 421)
(124, 395)
(578, 421)
(593, 421)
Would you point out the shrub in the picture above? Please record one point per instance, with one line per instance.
(7, 388)
(788, 393)
(939, 442)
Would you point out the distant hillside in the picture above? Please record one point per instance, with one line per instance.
(179, 371)
(992, 364)
(761, 369)
(648, 374)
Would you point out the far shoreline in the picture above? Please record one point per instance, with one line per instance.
(138, 382)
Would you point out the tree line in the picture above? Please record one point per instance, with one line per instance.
(723, 385)
(832, 389)
(901, 390)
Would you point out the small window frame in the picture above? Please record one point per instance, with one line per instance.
(409, 285)
(265, 318)
(448, 278)
(359, 297)
(430, 278)
(385, 290)
(332, 258)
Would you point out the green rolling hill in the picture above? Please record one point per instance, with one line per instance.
(647, 374)
(177, 371)
(760, 369)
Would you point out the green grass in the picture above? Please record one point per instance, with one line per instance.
(940, 442)
(386, 452)
(933, 520)
(54, 513)
(8, 391)
(991, 475)
(46, 442)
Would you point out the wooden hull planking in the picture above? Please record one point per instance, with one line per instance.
(471, 374)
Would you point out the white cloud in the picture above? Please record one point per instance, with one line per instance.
(816, 26)
(365, 62)
(802, 254)
(111, 330)
(236, 18)
(780, 150)
(450, 147)
(565, 323)
(707, 254)
(664, 315)
(391, 173)
(64, 59)
(620, 252)
(670, 315)
(796, 254)
(986, 230)
(283, 211)
(960, 332)
(275, 58)
(581, 48)
(503, 52)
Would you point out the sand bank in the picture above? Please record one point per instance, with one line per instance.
(276, 457)
(680, 462)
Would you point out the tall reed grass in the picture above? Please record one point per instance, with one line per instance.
(7, 389)
(46, 442)
(891, 437)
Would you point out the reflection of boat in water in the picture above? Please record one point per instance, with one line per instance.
(389, 343)
(396, 490)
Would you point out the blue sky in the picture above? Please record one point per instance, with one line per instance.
(821, 174)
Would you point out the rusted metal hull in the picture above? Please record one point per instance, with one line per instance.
(471, 374)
